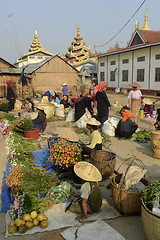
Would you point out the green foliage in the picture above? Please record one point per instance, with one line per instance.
(81, 130)
(105, 138)
(25, 124)
(9, 117)
(55, 118)
(150, 193)
(141, 136)
(4, 107)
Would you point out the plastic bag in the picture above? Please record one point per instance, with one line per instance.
(156, 207)
(108, 129)
(70, 116)
(44, 99)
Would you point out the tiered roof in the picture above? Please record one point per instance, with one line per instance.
(78, 50)
(36, 44)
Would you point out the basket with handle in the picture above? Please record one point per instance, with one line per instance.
(127, 201)
(105, 161)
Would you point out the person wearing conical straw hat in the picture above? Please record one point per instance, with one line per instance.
(149, 107)
(40, 121)
(95, 137)
(134, 100)
(90, 195)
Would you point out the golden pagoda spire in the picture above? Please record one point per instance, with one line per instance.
(137, 25)
(36, 44)
(146, 22)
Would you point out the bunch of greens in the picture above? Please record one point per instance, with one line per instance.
(150, 193)
(24, 124)
(141, 136)
(3, 106)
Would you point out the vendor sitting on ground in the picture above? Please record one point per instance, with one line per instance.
(149, 107)
(65, 102)
(29, 105)
(90, 199)
(41, 121)
(157, 123)
(126, 127)
(95, 138)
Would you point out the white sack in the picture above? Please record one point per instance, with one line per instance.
(70, 116)
(81, 123)
(59, 110)
(108, 129)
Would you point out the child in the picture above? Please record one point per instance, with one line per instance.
(157, 123)
(90, 196)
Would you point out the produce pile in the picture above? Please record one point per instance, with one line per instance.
(141, 136)
(27, 222)
(27, 182)
(150, 193)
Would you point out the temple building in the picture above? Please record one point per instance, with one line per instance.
(78, 51)
(36, 53)
(138, 61)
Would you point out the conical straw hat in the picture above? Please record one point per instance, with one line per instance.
(147, 101)
(87, 172)
(68, 134)
(93, 121)
(135, 84)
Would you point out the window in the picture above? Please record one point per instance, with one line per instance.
(157, 56)
(125, 61)
(39, 57)
(125, 76)
(32, 57)
(102, 76)
(157, 74)
(102, 64)
(140, 75)
(141, 59)
(112, 62)
(112, 76)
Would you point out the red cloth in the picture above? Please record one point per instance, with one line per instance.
(101, 86)
(9, 83)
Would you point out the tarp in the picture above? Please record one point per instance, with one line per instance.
(40, 157)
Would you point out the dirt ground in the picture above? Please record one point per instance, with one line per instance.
(130, 227)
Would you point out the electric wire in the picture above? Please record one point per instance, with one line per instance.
(123, 26)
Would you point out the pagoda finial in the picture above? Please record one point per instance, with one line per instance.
(78, 32)
(35, 32)
(36, 45)
(146, 22)
(137, 24)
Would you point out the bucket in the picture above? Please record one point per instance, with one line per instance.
(32, 134)
(141, 114)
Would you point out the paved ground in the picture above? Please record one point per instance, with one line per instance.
(130, 227)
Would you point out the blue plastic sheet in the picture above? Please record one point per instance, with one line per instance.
(5, 195)
(40, 157)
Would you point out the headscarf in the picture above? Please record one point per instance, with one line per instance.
(9, 83)
(126, 114)
(101, 86)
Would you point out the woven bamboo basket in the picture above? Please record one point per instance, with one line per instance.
(126, 201)
(151, 223)
(156, 149)
(155, 135)
(105, 161)
(48, 109)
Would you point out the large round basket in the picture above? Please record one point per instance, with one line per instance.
(48, 109)
(126, 201)
(151, 223)
(105, 161)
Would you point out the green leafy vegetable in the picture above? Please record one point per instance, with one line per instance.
(141, 136)
(150, 193)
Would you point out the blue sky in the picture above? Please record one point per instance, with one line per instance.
(56, 23)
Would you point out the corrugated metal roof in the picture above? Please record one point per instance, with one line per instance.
(11, 70)
(34, 66)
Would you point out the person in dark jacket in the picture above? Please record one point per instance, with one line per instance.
(103, 103)
(80, 107)
(65, 102)
(126, 127)
(41, 121)
(10, 96)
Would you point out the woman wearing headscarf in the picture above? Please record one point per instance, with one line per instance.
(10, 96)
(126, 127)
(40, 121)
(134, 100)
(103, 103)
(80, 107)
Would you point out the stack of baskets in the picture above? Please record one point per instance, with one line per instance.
(105, 161)
(155, 143)
(126, 201)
